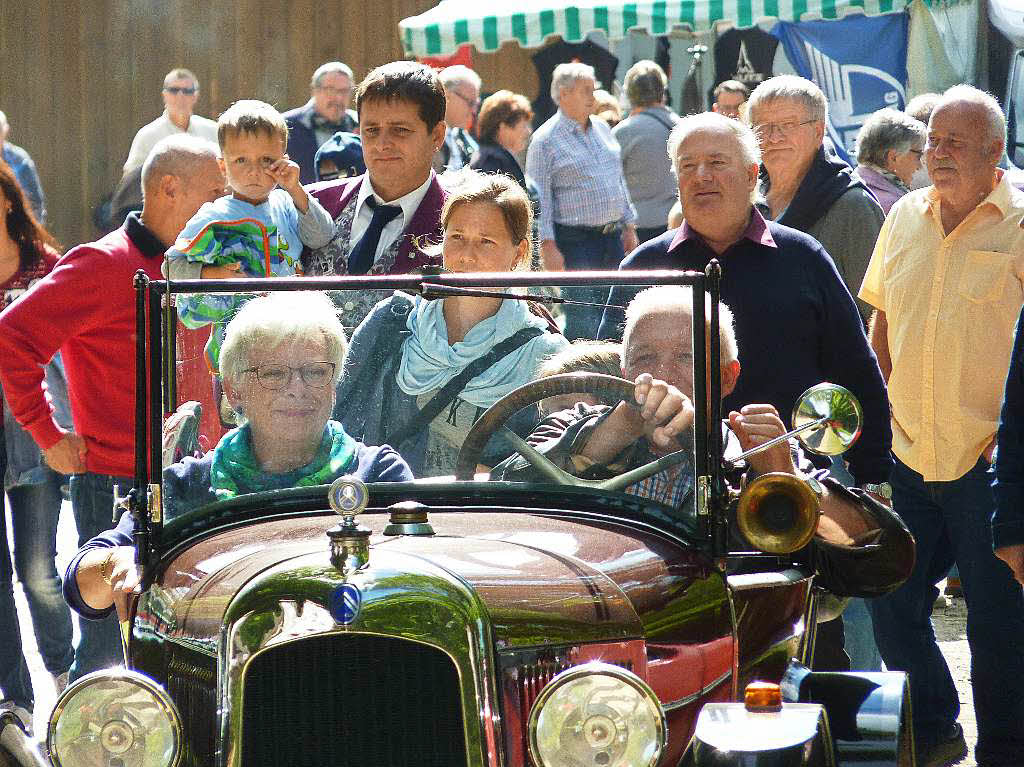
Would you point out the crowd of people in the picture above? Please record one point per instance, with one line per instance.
(901, 280)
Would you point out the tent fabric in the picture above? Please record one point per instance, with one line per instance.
(452, 23)
(1008, 17)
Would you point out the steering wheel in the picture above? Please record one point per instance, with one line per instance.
(567, 383)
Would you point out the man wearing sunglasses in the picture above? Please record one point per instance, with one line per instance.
(180, 93)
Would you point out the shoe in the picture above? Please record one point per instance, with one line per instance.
(23, 715)
(60, 682)
(954, 588)
(942, 753)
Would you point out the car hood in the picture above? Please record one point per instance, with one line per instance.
(537, 577)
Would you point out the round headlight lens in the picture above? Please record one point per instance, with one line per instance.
(596, 715)
(115, 717)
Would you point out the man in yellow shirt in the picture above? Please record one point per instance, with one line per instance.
(947, 280)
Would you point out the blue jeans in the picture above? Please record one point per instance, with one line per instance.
(35, 509)
(92, 498)
(584, 250)
(951, 522)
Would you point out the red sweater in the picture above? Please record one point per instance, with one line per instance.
(85, 308)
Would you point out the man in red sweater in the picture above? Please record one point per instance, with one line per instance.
(85, 308)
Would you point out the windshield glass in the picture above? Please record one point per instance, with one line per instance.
(295, 388)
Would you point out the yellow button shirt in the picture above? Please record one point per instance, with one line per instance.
(951, 303)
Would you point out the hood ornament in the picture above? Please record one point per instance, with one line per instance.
(350, 542)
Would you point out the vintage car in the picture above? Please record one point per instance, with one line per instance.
(462, 621)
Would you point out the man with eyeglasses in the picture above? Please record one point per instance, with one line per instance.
(180, 93)
(806, 185)
(326, 113)
(462, 102)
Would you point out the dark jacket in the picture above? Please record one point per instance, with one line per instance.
(494, 158)
(302, 143)
(1008, 519)
(796, 326)
(187, 487)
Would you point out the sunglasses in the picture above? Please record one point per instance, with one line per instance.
(177, 89)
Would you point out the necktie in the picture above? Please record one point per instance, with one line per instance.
(363, 254)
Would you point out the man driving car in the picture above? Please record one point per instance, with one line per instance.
(599, 441)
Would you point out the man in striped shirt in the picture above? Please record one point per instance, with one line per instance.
(586, 218)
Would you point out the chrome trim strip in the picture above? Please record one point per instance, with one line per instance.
(669, 707)
(745, 581)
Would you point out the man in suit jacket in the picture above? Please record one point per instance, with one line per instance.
(326, 113)
(385, 217)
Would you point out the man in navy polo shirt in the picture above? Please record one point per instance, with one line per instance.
(794, 316)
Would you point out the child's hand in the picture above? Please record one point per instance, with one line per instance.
(286, 173)
(221, 272)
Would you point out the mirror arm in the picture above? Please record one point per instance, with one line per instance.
(781, 438)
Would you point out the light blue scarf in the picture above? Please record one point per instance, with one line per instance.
(429, 361)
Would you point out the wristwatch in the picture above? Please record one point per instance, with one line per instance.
(816, 487)
(882, 489)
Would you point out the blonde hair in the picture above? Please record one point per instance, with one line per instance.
(471, 186)
(251, 116)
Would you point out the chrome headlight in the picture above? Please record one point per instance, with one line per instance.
(596, 714)
(114, 717)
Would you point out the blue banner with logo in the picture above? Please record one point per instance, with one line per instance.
(860, 62)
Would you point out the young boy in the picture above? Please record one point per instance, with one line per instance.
(257, 230)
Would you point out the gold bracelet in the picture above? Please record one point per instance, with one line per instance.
(105, 576)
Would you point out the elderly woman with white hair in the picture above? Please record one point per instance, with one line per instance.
(889, 149)
(281, 360)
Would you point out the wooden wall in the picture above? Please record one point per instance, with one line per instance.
(79, 77)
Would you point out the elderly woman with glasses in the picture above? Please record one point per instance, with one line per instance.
(889, 148)
(281, 361)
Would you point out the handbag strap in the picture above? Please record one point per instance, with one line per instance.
(451, 390)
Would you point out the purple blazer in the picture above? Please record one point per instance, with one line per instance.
(425, 225)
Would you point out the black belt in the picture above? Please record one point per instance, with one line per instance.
(612, 227)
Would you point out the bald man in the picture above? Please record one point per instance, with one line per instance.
(85, 308)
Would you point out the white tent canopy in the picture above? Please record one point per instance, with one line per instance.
(1008, 17)
(487, 25)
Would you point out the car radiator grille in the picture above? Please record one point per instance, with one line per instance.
(350, 701)
(192, 685)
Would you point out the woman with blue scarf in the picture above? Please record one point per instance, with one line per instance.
(412, 356)
(281, 360)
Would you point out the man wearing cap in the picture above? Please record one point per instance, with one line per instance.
(326, 113)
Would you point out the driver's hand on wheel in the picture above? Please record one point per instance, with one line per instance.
(666, 412)
(754, 425)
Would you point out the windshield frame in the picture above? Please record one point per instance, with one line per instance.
(157, 322)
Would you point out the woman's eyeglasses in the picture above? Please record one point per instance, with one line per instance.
(274, 375)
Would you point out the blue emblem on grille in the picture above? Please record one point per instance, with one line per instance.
(345, 603)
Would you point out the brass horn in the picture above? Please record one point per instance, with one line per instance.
(777, 513)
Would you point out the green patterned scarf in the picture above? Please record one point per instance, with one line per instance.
(235, 471)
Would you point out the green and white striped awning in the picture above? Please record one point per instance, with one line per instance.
(487, 24)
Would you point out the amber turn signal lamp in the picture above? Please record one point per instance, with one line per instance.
(762, 696)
